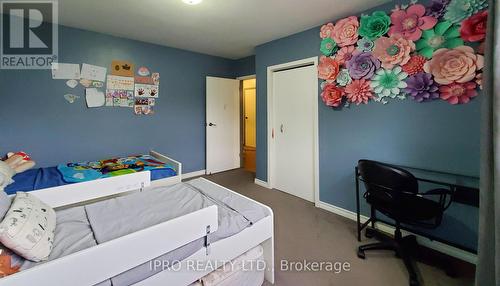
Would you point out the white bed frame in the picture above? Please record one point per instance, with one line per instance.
(106, 260)
(60, 196)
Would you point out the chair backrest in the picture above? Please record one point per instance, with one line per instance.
(385, 180)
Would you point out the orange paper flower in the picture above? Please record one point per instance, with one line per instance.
(344, 54)
(454, 65)
(332, 95)
(393, 51)
(359, 91)
(414, 65)
(345, 32)
(328, 68)
(458, 93)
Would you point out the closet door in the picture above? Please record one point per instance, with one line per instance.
(293, 131)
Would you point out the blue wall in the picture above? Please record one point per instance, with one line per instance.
(35, 117)
(245, 66)
(433, 135)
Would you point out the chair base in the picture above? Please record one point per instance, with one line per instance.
(403, 247)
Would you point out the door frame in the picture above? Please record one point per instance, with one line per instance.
(313, 61)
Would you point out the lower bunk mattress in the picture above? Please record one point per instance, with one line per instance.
(63, 174)
(86, 226)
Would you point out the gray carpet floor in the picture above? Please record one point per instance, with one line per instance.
(303, 231)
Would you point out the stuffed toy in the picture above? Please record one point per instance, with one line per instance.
(15, 163)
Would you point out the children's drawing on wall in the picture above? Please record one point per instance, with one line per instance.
(125, 87)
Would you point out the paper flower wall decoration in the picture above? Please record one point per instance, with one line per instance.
(388, 83)
(420, 52)
(344, 54)
(375, 25)
(359, 91)
(362, 65)
(332, 95)
(328, 46)
(421, 87)
(437, 8)
(328, 68)
(444, 35)
(410, 23)
(343, 78)
(457, 10)
(456, 93)
(454, 65)
(365, 45)
(345, 32)
(414, 65)
(326, 31)
(393, 51)
(474, 28)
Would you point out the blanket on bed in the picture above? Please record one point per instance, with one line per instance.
(87, 171)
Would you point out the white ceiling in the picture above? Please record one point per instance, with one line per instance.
(226, 28)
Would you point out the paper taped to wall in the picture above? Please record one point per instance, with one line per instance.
(94, 97)
(120, 82)
(92, 72)
(65, 71)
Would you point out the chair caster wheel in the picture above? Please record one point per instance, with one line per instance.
(414, 282)
(361, 254)
(369, 233)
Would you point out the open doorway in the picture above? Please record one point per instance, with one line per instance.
(249, 146)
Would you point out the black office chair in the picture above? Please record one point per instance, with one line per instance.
(394, 192)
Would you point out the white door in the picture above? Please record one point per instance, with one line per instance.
(223, 124)
(293, 103)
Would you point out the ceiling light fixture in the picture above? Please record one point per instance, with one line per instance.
(192, 2)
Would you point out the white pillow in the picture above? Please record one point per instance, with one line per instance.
(28, 227)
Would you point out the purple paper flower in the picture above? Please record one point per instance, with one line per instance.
(421, 87)
(362, 65)
(437, 8)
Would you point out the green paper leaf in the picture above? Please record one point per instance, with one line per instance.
(421, 44)
(452, 32)
(442, 27)
(426, 52)
(427, 34)
(452, 43)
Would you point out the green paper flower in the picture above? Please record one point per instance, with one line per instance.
(343, 78)
(388, 83)
(365, 45)
(444, 35)
(374, 26)
(458, 10)
(328, 47)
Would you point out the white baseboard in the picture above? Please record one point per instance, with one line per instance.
(193, 174)
(435, 245)
(262, 183)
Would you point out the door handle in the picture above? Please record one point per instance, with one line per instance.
(212, 124)
(281, 128)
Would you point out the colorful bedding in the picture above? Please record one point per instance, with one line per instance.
(42, 178)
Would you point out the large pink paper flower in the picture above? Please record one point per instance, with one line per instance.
(359, 91)
(326, 31)
(345, 32)
(454, 65)
(393, 51)
(458, 93)
(328, 68)
(345, 54)
(332, 95)
(411, 22)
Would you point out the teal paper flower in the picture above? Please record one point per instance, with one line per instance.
(375, 25)
(343, 78)
(365, 45)
(444, 35)
(328, 47)
(458, 10)
(388, 83)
